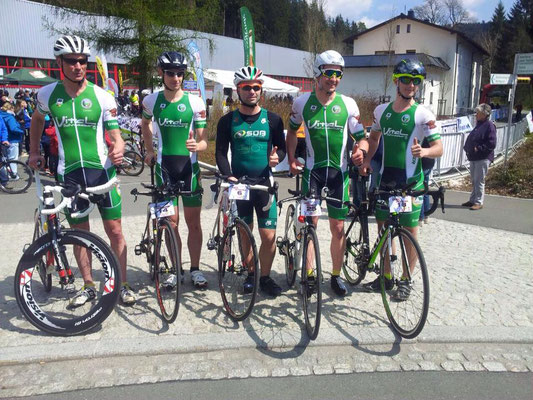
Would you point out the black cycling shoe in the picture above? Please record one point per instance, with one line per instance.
(338, 286)
(268, 286)
(375, 285)
(248, 285)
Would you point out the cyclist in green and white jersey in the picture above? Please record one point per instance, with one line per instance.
(404, 124)
(329, 119)
(82, 112)
(178, 119)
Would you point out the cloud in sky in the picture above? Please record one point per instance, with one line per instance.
(350, 9)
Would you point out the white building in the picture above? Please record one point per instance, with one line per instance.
(453, 63)
(25, 42)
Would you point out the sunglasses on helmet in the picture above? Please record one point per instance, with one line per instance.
(330, 73)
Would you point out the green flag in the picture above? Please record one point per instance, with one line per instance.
(248, 36)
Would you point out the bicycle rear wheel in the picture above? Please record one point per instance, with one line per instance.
(167, 271)
(19, 177)
(354, 265)
(237, 261)
(46, 263)
(56, 311)
(132, 163)
(407, 307)
(289, 246)
(311, 283)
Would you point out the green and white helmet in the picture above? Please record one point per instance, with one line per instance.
(328, 57)
(71, 44)
(246, 74)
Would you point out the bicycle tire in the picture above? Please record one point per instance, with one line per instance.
(407, 317)
(166, 262)
(17, 182)
(290, 243)
(52, 311)
(354, 265)
(311, 289)
(132, 164)
(232, 270)
(47, 259)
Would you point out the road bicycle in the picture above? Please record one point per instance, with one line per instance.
(300, 248)
(436, 197)
(159, 243)
(234, 243)
(15, 176)
(407, 315)
(52, 268)
(132, 163)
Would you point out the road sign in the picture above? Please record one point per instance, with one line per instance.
(501, 79)
(524, 64)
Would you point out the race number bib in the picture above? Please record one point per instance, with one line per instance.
(161, 210)
(239, 192)
(310, 208)
(399, 204)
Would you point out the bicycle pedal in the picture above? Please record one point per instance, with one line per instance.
(211, 244)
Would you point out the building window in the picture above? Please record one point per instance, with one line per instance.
(408, 28)
(397, 28)
(410, 51)
(384, 52)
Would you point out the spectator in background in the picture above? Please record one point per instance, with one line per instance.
(14, 132)
(5, 144)
(19, 94)
(427, 167)
(45, 145)
(53, 158)
(23, 117)
(479, 148)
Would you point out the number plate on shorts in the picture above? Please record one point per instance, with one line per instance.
(310, 208)
(161, 210)
(239, 192)
(399, 204)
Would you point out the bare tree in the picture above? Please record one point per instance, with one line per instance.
(457, 13)
(432, 11)
(390, 36)
(489, 41)
(317, 37)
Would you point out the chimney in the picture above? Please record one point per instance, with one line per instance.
(411, 14)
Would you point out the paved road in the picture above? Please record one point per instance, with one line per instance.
(481, 284)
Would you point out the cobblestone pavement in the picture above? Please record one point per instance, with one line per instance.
(481, 292)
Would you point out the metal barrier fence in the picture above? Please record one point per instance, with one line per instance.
(454, 157)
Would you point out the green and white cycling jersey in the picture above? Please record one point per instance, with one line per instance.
(399, 131)
(326, 129)
(173, 122)
(80, 125)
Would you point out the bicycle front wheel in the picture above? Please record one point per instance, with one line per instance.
(354, 265)
(289, 246)
(311, 283)
(407, 306)
(132, 163)
(72, 306)
(238, 271)
(167, 271)
(16, 177)
(46, 263)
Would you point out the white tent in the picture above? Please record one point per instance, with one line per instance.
(218, 79)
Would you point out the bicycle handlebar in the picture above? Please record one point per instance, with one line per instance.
(222, 182)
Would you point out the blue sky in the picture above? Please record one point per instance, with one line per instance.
(373, 12)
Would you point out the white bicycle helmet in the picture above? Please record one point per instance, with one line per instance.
(71, 45)
(248, 73)
(328, 57)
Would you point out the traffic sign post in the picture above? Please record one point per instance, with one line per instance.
(501, 79)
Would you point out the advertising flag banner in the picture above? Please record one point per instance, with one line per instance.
(248, 36)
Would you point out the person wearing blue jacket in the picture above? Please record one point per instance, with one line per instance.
(14, 132)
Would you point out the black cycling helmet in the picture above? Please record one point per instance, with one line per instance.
(171, 60)
(408, 67)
